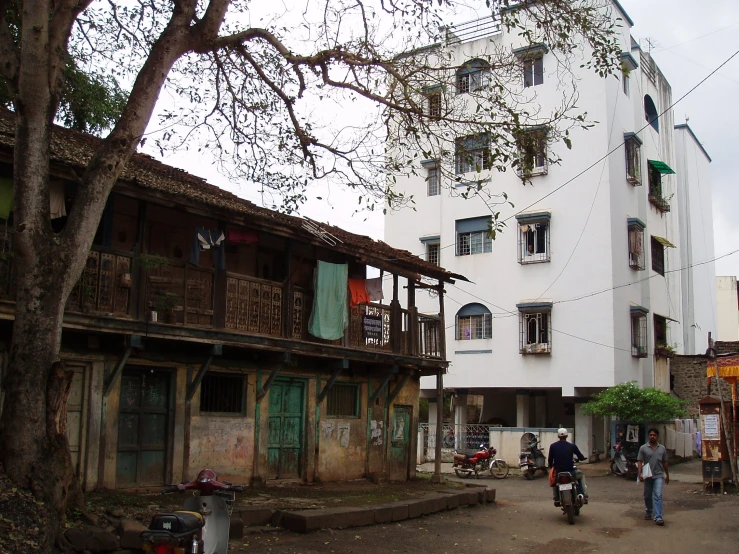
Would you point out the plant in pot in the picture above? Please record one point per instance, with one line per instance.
(165, 306)
(151, 261)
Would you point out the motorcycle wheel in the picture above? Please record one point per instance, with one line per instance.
(462, 474)
(615, 470)
(529, 474)
(499, 469)
(570, 511)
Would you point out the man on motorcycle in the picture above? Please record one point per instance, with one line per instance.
(560, 458)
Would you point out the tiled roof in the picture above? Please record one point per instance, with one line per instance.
(75, 149)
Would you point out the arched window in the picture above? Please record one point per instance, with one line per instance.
(650, 112)
(474, 321)
(472, 76)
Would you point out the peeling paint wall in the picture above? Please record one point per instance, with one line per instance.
(223, 444)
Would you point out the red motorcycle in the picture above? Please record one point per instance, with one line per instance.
(467, 462)
(203, 526)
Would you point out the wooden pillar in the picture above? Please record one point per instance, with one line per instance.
(442, 322)
(395, 319)
(287, 293)
(437, 477)
(138, 306)
(412, 319)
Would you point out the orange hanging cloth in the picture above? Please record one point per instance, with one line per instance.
(358, 292)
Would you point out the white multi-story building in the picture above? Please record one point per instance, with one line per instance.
(588, 286)
(727, 300)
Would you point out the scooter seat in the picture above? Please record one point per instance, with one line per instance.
(177, 523)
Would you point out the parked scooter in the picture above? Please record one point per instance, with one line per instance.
(532, 459)
(571, 498)
(203, 526)
(622, 466)
(468, 462)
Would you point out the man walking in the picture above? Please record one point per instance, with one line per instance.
(653, 455)
(560, 458)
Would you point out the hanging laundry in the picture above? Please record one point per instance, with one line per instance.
(358, 290)
(374, 289)
(329, 317)
(208, 240)
(6, 197)
(244, 236)
(56, 200)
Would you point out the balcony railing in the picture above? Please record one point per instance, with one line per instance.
(105, 285)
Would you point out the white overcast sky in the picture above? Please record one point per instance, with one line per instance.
(689, 40)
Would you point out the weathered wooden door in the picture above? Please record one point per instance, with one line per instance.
(142, 428)
(400, 441)
(285, 429)
(75, 417)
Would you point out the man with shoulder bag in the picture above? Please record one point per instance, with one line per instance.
(653, 471)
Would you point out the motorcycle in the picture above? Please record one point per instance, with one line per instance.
(622, 466)
(532, 459)
(469, 462)
(571, 498)
(203, 525)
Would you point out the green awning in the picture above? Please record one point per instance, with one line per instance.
(662, 167)
(663, 241)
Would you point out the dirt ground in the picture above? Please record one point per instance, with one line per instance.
(524, 521)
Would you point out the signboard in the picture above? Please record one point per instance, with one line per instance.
(372, 327)
(710, 426)
(632, 433)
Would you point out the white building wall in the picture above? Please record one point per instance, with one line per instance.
(728, 309)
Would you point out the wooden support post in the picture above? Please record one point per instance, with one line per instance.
(384, 383)
(287, 293)
(398, 388)
(442, 322)
(413, 331)
(216, 350)
(396, 324)
(134, 341)
(268, 384)
(437, 477)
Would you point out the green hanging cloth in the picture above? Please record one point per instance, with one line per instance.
(330, 316)
(6, 197)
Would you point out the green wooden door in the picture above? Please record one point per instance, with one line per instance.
(400, 441)
(285, 429)
(142, 428)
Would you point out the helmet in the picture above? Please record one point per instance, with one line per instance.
(562, 432)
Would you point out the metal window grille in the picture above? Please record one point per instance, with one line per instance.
(475, 242)
(433, 180)
(472, 154)
(660, 331)
(475, 327)
(636, 247)
(639, 335)
(655, 183)
(463, 83)
(433, 251)
(633, 162)
(534, 333)
(658, 256)
(434, 104)
(342, 400)
(533, 242)
(221, 393)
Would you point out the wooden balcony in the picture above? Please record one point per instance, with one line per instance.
(183, 296)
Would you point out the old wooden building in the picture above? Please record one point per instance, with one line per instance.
(189, 333)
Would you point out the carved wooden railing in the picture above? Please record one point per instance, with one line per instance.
(180, 294)
(369, 327)
(253, 305)
(429, 336)
(105, 284)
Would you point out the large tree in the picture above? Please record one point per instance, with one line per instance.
(247, 83)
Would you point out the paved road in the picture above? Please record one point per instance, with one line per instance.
(524, 521)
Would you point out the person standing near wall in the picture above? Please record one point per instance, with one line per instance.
(654, 473)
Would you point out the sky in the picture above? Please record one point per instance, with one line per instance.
(687, 40)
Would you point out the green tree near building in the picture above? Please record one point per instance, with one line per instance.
(629, 402)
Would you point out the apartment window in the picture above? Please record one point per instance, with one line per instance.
(628, 64)
(658, 256)
(473, 236)
(535, 328)
(660, 331)
(472, 153)
(632, 146)
(650, 112)
(532, 152)
(433, 252)
(639, 331)
(625, 82)
(533, 238)
(222, 393)
(432, 180)
(343, 400)
(656, 193)
(474, 322)
(433, 103)
(533, 71)
(472, 76)
(636, 243)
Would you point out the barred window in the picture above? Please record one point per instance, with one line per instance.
(633, 161)
(658, 256)
(474, 322)
(434, 103)
(638, 332)
(535, 333)
(472, 153)
(533, 71)
(343, 400)
(432, 252)
(532, 152)
(533, 241)
(472, 76)
(433, 180)
(222, 393)
(636, 244)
